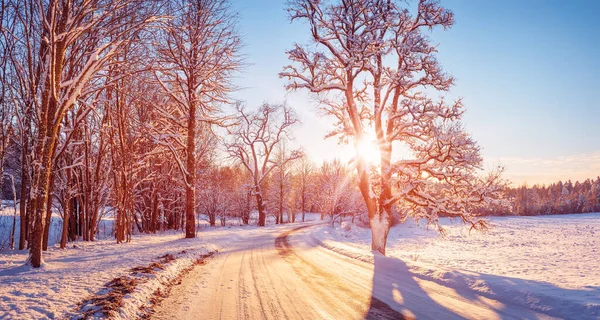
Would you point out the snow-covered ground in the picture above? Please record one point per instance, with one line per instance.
(106, 225)
(72, 275)
(539, 262)
(548, 264)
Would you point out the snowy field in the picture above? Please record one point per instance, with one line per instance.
(543, 261)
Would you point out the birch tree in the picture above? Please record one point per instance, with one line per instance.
(373, 68)
(254, 141)
(198, 53)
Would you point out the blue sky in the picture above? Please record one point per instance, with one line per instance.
(528, 71)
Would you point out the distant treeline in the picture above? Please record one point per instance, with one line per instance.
(556, 198)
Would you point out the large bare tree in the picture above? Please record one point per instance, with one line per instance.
(372, 64)
(198, 53)
(254, 142)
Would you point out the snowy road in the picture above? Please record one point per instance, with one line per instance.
(283, 274)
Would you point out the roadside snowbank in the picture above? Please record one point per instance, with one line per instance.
(548, 264)
(81, 271)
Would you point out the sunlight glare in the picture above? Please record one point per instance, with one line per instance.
(367, 149)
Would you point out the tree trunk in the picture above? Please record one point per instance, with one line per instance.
(93, 221)
(96, 193)
(154, 218)
(86, 184)
(73, 214)
(182, 217)
(24, 230)
(139, 226)
(84, 214)
(119, 226)
(190, 190)
(40, 186)
(281, 203)
(42, 174)
(80, 216)
(14, 225)
(303, 200)
(248, 207)
(66, 214)
(48, 223)
(261, 210)
(379, 221)
(380, 227)
(94, 206)
(48, 132)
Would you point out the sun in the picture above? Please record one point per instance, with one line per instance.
(367, 149)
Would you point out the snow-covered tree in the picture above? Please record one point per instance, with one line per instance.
(6, 103)
(334, 189)
(374, 69)
(304, 185)
(198, 52)
(241, 194)
(67, 43)
(281, 184)
(215, 195)
(16, 57)
(254, 142)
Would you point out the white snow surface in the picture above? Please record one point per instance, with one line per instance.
(69, 276)
(545, 263)
(105, 227)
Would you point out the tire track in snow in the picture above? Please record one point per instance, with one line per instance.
(256, 283)
(243, 297)
(277, 274)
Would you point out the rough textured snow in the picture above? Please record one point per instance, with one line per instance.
(69, 276)
(281, 273)
(524, 266)
(539, 262)
(81, 270)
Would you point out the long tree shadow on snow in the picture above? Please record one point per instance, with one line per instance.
(397, 294)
